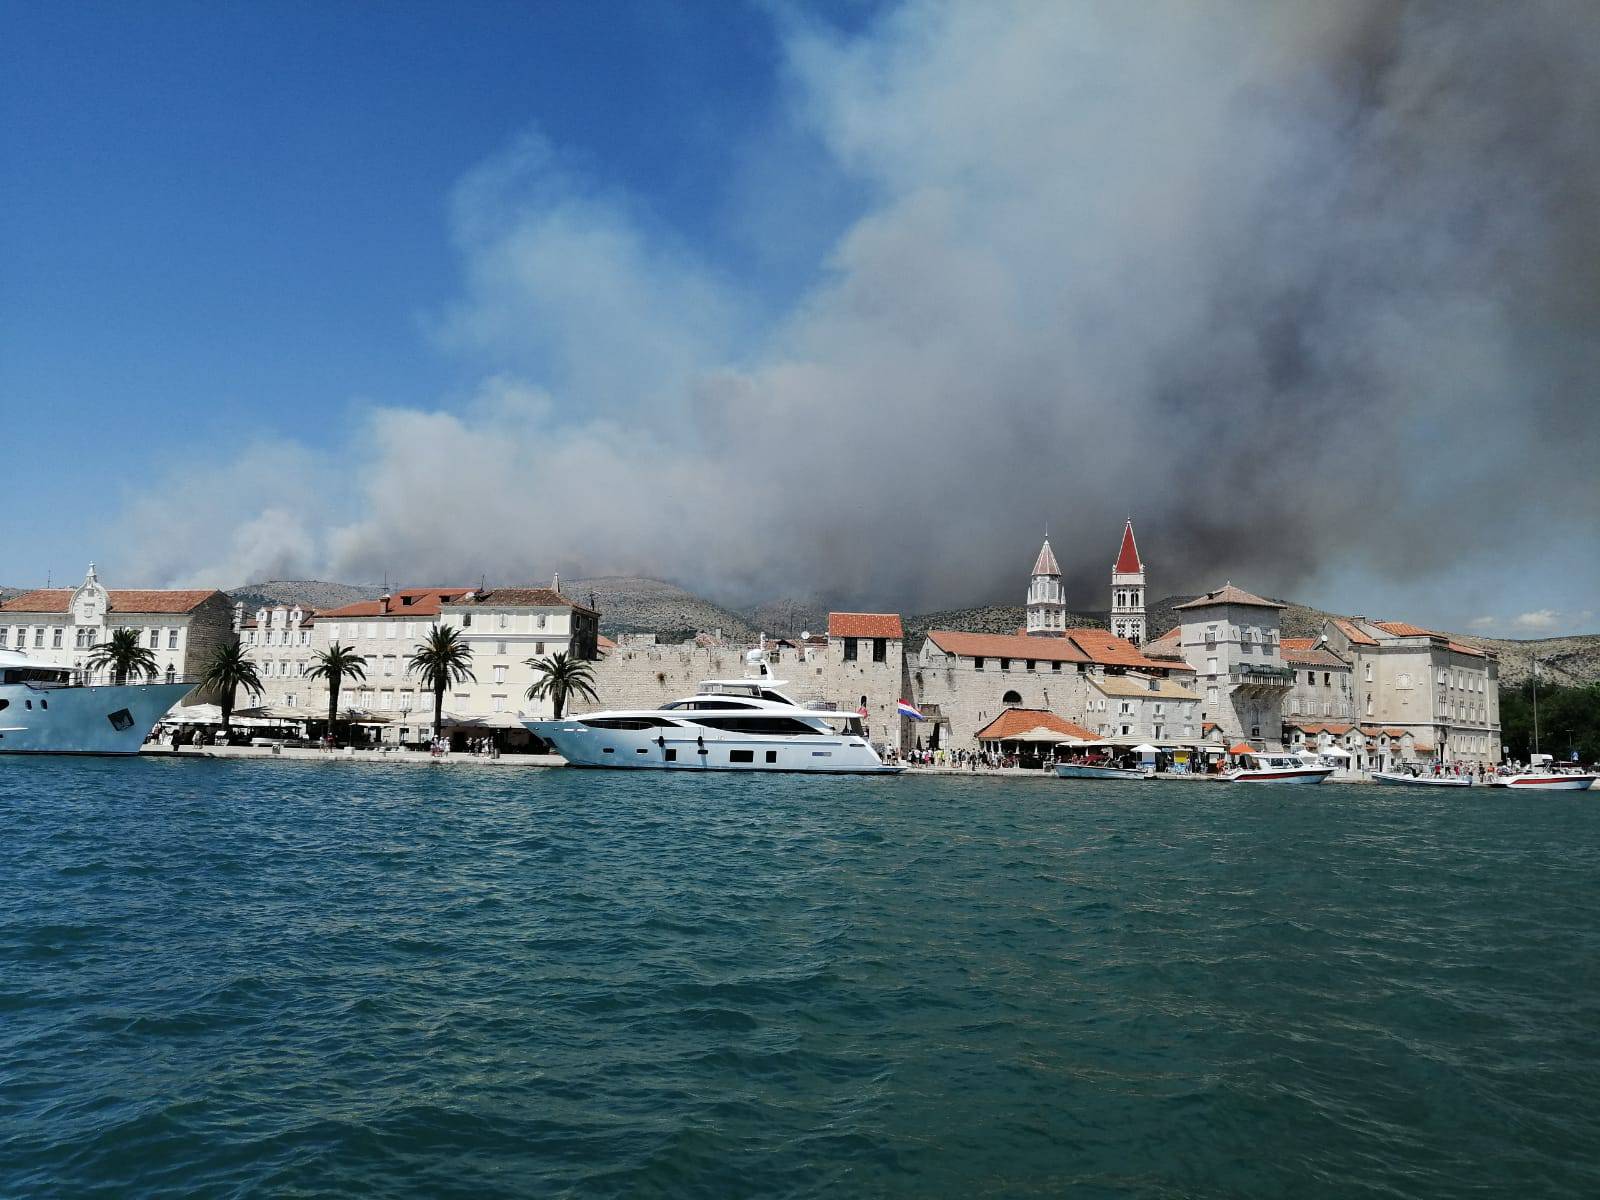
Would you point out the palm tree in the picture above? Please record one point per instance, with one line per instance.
(125, 654)
(336, 664)
(561, 678)
(225, 672)
(443, 659)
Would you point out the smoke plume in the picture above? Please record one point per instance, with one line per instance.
(1300, 286)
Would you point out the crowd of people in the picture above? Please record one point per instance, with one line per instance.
(967, 760)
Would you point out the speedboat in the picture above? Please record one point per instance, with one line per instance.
(1545, 781)
(1069, 770)
(1406, 779)
(727, 725)
(1276, 768)
(45, 710)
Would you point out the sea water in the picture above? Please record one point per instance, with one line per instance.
(261, 978)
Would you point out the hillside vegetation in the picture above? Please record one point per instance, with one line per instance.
(308, 593)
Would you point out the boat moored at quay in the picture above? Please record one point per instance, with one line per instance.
(44, 709)
(727, 725)
(1263, 767)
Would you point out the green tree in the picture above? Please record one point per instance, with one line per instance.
(125, 654)
(561, 678)
(444, 658)
(225, 672)
(1569, 719)
(336, 664)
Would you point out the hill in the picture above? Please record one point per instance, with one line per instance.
(308, 593)
(633, 604)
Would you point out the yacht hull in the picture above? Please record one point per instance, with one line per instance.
(1302, 775)
(83, 720)
(1546, 783)
(1395, 779)
(684, 750)
(1082, 771)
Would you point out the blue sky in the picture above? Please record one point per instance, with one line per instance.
(776, 298)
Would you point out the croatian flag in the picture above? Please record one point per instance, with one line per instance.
(907, 710)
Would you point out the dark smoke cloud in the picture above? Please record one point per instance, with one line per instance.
(1304, 288)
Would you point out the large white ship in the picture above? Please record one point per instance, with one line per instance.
(727, 725)
(44, 711)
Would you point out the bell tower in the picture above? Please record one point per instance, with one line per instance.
(1127, 590)
(1047, 604)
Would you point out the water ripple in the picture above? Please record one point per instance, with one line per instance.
(231, 979)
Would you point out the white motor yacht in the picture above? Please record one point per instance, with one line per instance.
(1262, 767)
(727, 725)
(44, 710)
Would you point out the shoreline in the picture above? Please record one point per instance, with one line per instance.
(416, 758)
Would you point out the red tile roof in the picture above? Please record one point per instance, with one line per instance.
(1074, 646)
(517, 597)
(123, 600)
(1045, 564)
(1128, 557)
(1228, 594)
(403, 602)
(1024, 720)
(604, 643)
(1336, 729)
(1006, 645)
(1405, 629)
(1354, 632)
(865, 625)
(1309, 656)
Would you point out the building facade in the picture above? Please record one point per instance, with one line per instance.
(1441, 696)
(61, 626)
(1230, 638)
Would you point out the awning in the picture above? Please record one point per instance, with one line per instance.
(1241, 748)
(1037, 734)
(486, 721)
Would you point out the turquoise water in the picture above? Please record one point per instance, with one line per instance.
(242, 979)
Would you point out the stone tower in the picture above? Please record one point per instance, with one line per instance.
(1127, 590)
(1047, 605)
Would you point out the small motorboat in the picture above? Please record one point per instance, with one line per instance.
(1545, 781)
(1406, 779)
(1276, 768)
(1070, 770)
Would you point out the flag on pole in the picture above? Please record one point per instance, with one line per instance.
(907, 709)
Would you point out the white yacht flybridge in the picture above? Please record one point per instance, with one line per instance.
(727, 725)
(44, 710)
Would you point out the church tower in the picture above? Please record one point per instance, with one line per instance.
(1047, 605)
(1127, 590)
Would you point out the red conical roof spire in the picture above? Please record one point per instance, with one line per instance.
(1128, 558)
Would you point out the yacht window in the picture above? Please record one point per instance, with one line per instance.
(778, 726)
(776, 698)
(741, 756)
(772, 756)
(625, 723)
(669, 755)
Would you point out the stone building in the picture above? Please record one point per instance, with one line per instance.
(1129, 706)
(1230, 638)
(506, 629)
(1440, 697)
(962, 681)
(385, 631)
(61, 626)
(279, 640)
(1322, 683)
(860, 664)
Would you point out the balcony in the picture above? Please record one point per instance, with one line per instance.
(1260, 680)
